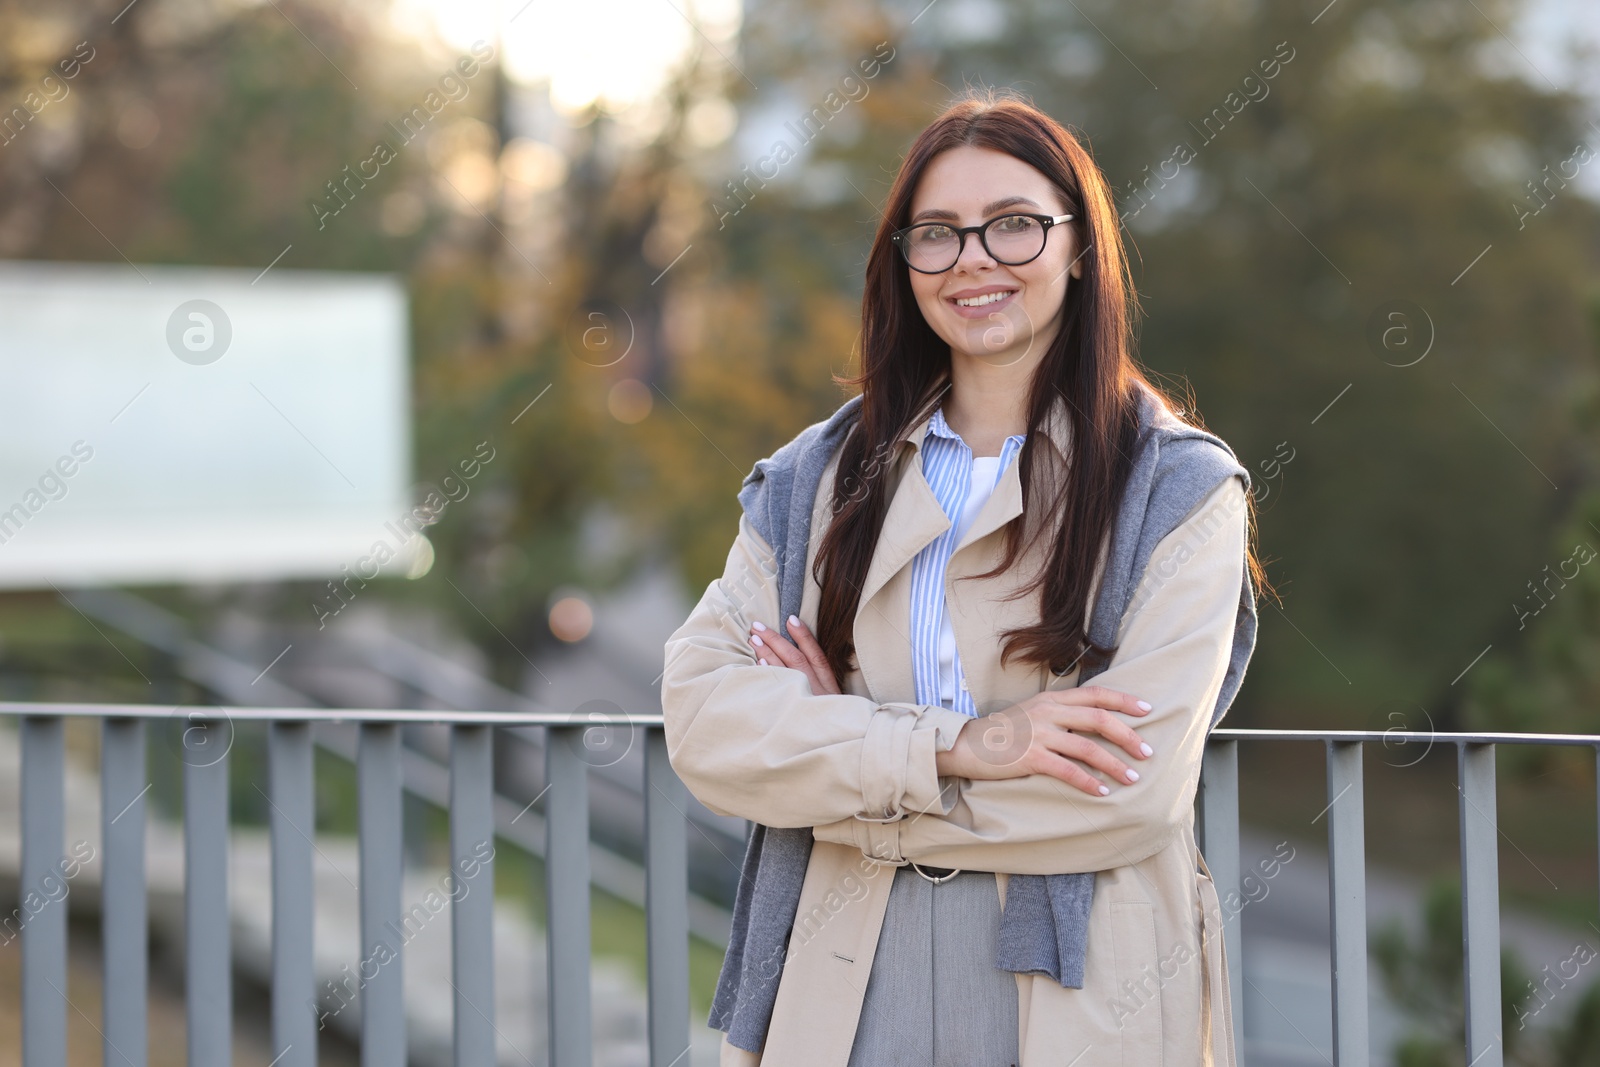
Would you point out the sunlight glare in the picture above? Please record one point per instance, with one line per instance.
(617, 52)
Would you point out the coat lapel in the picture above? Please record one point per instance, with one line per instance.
(914, 519)
(883, 614)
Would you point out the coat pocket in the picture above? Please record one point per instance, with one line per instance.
(1138, 992)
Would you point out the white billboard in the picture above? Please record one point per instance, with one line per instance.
(181, 424)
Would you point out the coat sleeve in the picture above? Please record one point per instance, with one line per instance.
(753, 741)
(1176, 643)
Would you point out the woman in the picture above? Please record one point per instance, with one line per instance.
(889, 675)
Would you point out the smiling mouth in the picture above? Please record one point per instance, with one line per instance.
(986, 300)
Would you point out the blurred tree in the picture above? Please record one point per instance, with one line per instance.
(1549, 677)
(1579, 1040)
(1424, 976)
(206, 135)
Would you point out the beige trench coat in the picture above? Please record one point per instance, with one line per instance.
(752, 741)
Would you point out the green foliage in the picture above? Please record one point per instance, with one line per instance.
(1580, 1041)
(1424, 975)
(1426, 978)
(1550, 681)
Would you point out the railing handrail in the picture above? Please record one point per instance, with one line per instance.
(73, 709)
(1469, 737)
(335, 715)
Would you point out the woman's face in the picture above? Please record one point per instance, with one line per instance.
(968, 186)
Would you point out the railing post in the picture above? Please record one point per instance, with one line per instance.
(378, 786)
(41, 894)
(124, 915)
(666, 862)
(566, 871)
(1347, 902)
(1219, 843)
(295, 1014)
(472, 897)
(1480, 903)
(208, 971)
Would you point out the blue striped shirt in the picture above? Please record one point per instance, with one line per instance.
(948, 469)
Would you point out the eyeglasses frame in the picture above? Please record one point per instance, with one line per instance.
(982, 230)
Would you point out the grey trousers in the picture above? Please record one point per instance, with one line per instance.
(935, 997)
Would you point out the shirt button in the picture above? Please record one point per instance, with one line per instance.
(963, 685)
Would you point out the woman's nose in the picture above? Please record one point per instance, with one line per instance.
(974, 241)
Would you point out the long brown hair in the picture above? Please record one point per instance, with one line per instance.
(1089, 364)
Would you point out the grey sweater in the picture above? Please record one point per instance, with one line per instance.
(1045, 925)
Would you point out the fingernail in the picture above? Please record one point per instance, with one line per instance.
(762, 662)
(756, 640)
(758, 625)
(1104, 790)
(1142, 704)
(793, 621)
(1146, 749)
(1133, 775)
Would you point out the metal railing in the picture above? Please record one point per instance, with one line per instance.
(567, 880)
(207, 944)
(1218, 803)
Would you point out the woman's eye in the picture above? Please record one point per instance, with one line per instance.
(934, 233)
(1014, 224)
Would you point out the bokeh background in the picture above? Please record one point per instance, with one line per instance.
(1375, 270)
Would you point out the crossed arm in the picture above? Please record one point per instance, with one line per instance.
(753, 741)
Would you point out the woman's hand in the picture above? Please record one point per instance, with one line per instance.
(1045, 734)
(771, 646)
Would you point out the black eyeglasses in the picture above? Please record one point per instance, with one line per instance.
(934, 247)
